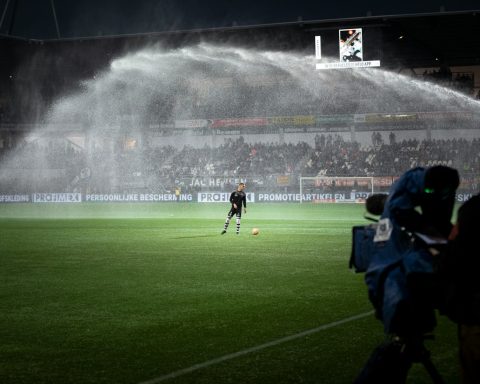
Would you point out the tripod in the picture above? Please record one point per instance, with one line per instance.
(414, 351)
(391, 361)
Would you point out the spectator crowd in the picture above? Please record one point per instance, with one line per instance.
(59, 166)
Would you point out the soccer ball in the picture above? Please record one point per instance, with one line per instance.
(255, 231)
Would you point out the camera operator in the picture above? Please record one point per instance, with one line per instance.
(458, 271)
(400, 274)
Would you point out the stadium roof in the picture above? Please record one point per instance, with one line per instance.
(50, 19)
(419, 34)
(407, 40)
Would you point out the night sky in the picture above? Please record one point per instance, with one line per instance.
(34, 18)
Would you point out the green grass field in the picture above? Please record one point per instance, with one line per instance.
(119, 293)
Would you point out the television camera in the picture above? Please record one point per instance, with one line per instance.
(396, 252)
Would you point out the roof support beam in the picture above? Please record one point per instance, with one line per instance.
(4, 13)
(55, 19)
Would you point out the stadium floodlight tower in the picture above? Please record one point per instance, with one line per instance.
(336, 189)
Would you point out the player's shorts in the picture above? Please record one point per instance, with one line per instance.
(237, 211)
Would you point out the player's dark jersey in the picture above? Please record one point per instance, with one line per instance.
(238, 197)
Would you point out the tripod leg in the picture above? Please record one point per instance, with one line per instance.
(386, 364)
(432, 371)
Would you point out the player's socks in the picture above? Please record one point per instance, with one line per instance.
(238, 226)
(227, 221)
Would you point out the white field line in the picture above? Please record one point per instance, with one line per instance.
(243, 352)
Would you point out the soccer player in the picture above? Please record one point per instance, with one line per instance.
(237, 198)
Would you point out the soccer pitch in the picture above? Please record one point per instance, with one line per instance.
(134, 293)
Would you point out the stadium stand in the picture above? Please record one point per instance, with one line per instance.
(57, 165)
